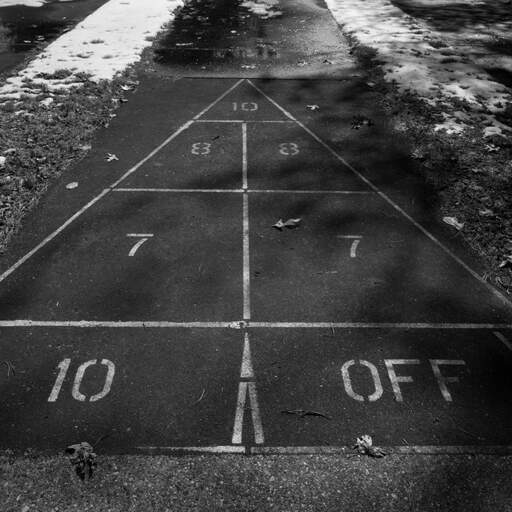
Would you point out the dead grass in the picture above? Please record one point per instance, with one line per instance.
(471, 174)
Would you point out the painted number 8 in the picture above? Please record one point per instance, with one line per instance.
(289, 148)
(201, 148)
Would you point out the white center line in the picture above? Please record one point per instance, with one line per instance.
(244, 156)
(246, 261)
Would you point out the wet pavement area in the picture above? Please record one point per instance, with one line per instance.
(25, 29)
(237, 37)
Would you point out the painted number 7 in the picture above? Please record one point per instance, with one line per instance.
(142, 237)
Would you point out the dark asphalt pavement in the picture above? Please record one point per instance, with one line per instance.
(163, 310)
(156, 307)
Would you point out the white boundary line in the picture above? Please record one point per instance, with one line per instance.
(240, 191)
(330, 450)
(504, 340)
(241, 121)
(50, 237)
(241, 324)
(88, 324)
(184, 190)
(193, 449)
(392, 450)
(386, 198)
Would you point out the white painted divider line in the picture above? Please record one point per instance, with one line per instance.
(320, 192)
(246, 261)
(50, 237)
(504, 340)
(241, 121)
(86, 324)
(244, 156)
(241, 324)
(193, 449)
(240, 191)
(386, 198)
(392, 450)
(184, 190)
(372, 325)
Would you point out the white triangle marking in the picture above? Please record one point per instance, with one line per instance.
(247, 371)
(255, 413)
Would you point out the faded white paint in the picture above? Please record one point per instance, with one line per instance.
(246, 260)
(247, 371)
(504, 340)
(397, 379)
(63, 370)
(347, 382)
(78, 395)
(442, 380)
(255, 413)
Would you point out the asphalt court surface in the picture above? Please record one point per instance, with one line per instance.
(169, 313)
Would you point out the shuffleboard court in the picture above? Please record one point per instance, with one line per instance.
(172, 314)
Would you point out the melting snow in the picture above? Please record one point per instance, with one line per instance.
(438, 66)
(102, 45)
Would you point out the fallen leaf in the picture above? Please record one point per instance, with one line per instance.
(82, 456)
(486, 212)
(248, 66)
(111, 157)
(506, 262)
(364, 445)
(312, 107)
(292, 223)
(72, 185)
(452, 221)
(279, 225)
(2, 161)
(303, 413)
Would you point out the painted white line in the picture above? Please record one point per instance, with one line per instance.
(240, 191)
(504, 340)
(398, 450)
(152, 154)
(241, 121)
(86, 324)
(220, 98)
(247, 371)
(193, 449)
(183, 190)
(241, 324)
(372, 325)
(50, 237)
(386, 198)
(320, 192)
(246, 261)
(350, 237)
(244, 156)
(139, 235)
(255, 413)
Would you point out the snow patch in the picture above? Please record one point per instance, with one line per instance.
(438, 66)
(103, 45)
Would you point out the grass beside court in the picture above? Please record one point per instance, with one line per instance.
(471, 174)
(313, 483)
(40, 139)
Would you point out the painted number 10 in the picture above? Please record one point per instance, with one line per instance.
(75, 391)
(245, 106)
